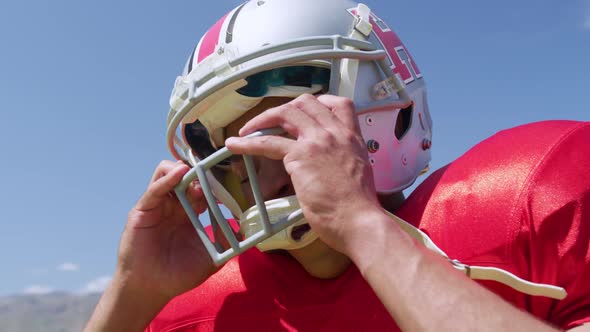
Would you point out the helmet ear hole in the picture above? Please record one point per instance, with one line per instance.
(297, 232)
(403, 121)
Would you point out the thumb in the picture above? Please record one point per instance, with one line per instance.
(159, 189)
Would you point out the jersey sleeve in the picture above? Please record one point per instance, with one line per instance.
(556, 208)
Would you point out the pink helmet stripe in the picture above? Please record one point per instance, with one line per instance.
(210, 40)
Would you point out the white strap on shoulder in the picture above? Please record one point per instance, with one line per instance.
(509, 279)
(484, 273)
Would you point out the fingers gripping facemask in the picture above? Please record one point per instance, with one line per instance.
(267, 224)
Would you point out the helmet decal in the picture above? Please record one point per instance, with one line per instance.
(210, 40)
(398, 56)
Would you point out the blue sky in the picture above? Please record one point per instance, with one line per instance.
(84, 88)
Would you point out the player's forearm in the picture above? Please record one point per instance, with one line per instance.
(122, 307)
(423, 292)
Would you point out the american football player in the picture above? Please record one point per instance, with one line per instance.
(306, 120)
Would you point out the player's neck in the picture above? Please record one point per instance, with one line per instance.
(321, 261)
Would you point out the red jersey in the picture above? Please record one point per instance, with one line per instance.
(515, 201)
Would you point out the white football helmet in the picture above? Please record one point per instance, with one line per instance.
(284, 48)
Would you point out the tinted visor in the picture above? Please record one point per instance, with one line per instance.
(299, 76)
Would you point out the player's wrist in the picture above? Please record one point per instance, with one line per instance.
(355, 231)
(125, 307)
(151, 294)
(142, 288)
(375, 235)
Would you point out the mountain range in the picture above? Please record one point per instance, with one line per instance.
(53, 312)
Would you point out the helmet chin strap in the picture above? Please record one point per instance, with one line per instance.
(277, 209)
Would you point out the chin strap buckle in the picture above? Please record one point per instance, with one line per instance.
(510, 280)
(363, 21)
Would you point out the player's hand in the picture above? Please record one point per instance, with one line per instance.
(327, 161)
(160, 251)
